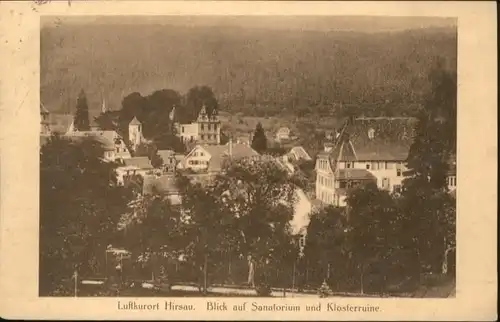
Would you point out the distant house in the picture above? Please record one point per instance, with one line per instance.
(283, 134)
(111, 140)
(210, 158)
(113, 143)
(205, 129)
(134, 166)
(366, 149)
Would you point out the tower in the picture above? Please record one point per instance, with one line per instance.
(135, 132)
(209, 126)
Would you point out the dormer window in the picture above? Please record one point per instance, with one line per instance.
(371, 134)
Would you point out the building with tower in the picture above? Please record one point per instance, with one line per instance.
(135, 132)
(204, 130)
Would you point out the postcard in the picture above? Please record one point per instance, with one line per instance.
(219, 160)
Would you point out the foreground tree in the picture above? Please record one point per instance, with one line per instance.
(373, 232)
(209, 228)
(261, 197)
(80, 205)
(152, 231)
(259, 141)
(435, 139)
(429, 212)
(81, 120)
(196, 97)
(325, 242)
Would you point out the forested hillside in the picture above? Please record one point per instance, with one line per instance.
(255, 71)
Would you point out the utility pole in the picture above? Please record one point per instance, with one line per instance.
(75, 276)
(205, 273)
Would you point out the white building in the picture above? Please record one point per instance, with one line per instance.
(367, 149)
(210, 158)
(283, 134)
(204, 130)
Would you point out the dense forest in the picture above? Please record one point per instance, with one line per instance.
(254, 71)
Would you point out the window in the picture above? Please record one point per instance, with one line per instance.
(118, 149)
(389, 165)
(397, 188)
(202, 127)
(374, 166)
(182, 129)
(452, 181)
(342, 185)
(398, 172)
(201, 154)
(203, 136)
(367, 166)
(348, 165)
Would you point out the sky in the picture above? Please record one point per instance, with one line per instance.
(313, 23)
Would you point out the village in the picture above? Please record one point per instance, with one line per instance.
(363, 150)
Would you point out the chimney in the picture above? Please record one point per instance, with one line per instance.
(230, 147)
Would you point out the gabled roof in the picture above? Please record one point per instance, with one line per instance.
(135, 121)
(374, 139)
(300, 153)
(139, 162)
(391, 140)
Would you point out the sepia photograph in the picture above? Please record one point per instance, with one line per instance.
(247, 156)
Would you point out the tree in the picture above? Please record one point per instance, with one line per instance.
(80, 205)
(428, 224)
(435, 138)
(428, 210)
(109, 121)
(152, 231)
(373, 232)
(81, 120)
(209, 228)
(196, 97)
(325, 242)
(259, 141)
(261, 197)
